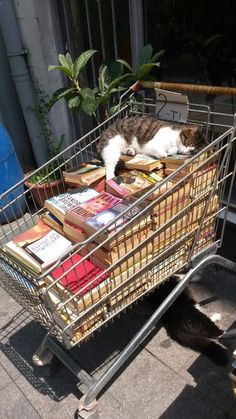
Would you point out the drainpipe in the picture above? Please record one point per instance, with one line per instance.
(11, 115)
(21, 77)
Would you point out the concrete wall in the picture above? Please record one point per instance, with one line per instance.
(36, 25)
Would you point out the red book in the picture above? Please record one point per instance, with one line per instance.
(81, 276)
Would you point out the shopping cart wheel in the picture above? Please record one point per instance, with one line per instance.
(88, 411)
(91, 416)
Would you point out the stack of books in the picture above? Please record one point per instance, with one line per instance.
(37, 248)
(56, 207)
(91, 173)
(122, 239)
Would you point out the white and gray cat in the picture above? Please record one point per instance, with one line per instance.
(146, 135)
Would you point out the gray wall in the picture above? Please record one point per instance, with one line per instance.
(36, 25)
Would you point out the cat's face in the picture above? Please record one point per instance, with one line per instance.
(193, 137)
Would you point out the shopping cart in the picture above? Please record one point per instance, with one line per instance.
(174, 231)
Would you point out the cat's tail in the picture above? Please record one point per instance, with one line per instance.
(209, 347)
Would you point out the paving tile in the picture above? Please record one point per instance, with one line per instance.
(9, 359)
(148, 389)
(168, 351)
(192, 405)
(5, 379)
(15, 405)
(210, 380)
(8, 307)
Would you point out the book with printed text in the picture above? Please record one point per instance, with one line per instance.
(58, 205)
(38, 248)
(79, 214)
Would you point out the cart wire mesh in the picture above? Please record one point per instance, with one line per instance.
(176, 221)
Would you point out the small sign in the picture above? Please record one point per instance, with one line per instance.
(171, 106)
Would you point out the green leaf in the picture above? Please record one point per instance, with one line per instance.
(74, 102)
(59, 94)
(63, 61)
(118, 81)
(87, 93)
(125, 64)
(156, 56)
(101, 79)
(145, 69)
(114, 68)
(63, 69)
(82, 60)
(144, 56)
(69, 61)
(89, 105)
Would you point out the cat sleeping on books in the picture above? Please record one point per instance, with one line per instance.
(146, 135)
(187, 325)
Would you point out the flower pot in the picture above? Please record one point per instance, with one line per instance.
(41, 192)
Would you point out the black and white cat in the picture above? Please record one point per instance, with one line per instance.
(146, 135)
(187, 325)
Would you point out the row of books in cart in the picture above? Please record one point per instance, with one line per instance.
(95, 270)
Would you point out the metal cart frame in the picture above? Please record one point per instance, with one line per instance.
(220, 131)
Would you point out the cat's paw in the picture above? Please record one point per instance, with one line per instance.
(186, 150)
(130, 151)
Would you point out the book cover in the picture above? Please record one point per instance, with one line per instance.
(58, 205)
(33, 234)
(82, 277)
(49, 248)
(128, 183)
(100, 220)
(93, 206)
(143, 162)
(38, 247)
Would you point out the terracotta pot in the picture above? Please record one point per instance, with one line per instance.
(45, 190)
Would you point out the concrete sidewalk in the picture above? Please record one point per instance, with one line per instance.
(163, 380)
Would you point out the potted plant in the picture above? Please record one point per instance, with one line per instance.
(47, 181)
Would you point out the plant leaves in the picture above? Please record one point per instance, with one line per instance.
(69, 61)
(59, 94)
(89, 105)
(145, 69)
(125, 64)
(74, 102)
(63, 69)
(156, 56)
(87, 93)
(144, 56)
(82, 60)
(101, 79)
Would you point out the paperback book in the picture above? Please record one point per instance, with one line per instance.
(132, 183)
(144, 162)
(38, 248)
(101, 220)
(79, 214)
(86, 173)
(58, 205)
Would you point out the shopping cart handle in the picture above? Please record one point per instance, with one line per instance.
(216, 90)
